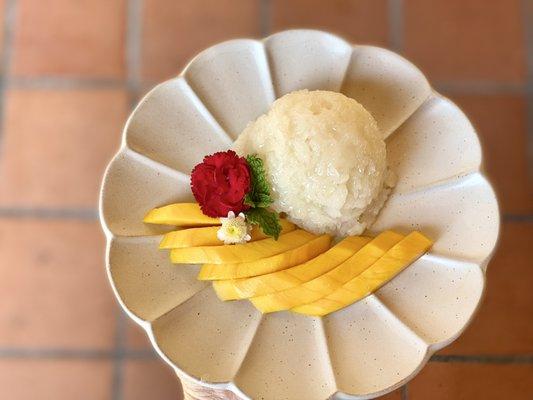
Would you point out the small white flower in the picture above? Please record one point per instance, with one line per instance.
(234, 229)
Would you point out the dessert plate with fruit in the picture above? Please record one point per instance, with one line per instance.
(298, 217)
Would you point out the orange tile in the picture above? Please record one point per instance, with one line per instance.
(54, 291)
(23, 379)
(174, 31)
(363, 21)
(464, 381)
(136, 338)
(501, 124)
(56, 145)
(60, 37)
(504, 324)
(466, 40)
(150, 379)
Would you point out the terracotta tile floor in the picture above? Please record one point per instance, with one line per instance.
(70, 72)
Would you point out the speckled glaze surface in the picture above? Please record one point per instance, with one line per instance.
(364, 350)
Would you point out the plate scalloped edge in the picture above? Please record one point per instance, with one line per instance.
(358, 61)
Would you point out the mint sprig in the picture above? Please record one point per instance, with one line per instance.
(259, 199)
(259, 194)
(267, 220)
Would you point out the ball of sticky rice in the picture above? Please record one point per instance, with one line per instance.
(325, 159)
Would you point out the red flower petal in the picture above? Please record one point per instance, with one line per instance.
(220, 183)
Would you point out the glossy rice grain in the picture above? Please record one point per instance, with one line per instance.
(325, 159)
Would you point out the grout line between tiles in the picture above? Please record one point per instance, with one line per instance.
(136, 85)
(83, 214)
(148, 354)
(10, 8)
(484, 359)
(59, 82)
(67, 354)
(63, 83)
(265, 20)
(396, 25)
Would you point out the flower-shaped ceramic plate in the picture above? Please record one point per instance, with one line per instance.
(364, 350)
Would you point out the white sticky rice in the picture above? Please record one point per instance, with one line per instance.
(325, 159)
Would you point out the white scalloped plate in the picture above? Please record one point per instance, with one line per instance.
(364, 350)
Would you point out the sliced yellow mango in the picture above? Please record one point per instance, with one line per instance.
(180, 214)
(233, 289)
(382, 271)
(208, 236)
(232, 254)
(325, 284)
(266, 265)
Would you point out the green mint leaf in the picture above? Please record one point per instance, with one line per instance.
(259, 195)
(260, 200)
(248, 200)
(263, 200)
(267, 220)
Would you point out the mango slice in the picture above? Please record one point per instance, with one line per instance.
(267, 265)
(233, 289)
(382, 271)
(208, 236)
(180, 214)
(325, 284)
(232, 254)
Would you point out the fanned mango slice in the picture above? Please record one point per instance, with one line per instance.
(267, 265)
(382, 271)
(325, 284)
(234, 289)
(208, 236)
(232, 254)
(180, 214)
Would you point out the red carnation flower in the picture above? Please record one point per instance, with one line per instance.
(220, 183)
